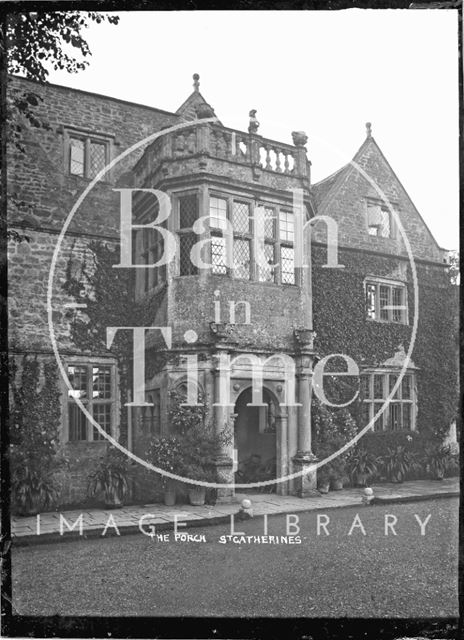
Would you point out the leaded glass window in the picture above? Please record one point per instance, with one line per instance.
(186, 242)
(287, 265)
(218, 255)
(86, 155)
(97, 158)
(76, 157)
(188, 211)
(241, 217)
(217, 212)
(242, 259)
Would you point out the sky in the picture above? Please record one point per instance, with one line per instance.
(324, 72)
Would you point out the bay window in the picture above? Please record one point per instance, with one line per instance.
(399, 414)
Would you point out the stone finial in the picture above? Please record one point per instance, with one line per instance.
(196, 82)
(368, 129)
(254, 124)
(299, 138)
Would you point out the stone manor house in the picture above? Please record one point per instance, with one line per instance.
(241, 306)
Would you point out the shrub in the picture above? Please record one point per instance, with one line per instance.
(398, 463)
(111, 477)
(413, 444)
(362, 465)
(333, 428)
(165, 452)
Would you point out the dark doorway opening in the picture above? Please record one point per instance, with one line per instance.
(255, 440)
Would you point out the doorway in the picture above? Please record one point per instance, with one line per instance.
(255, 439)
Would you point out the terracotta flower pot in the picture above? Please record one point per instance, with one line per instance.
(361, 479)
(323, 487)
(336, 484)
(31, 508)
(170, 495)
(197, 496)
(112, 500)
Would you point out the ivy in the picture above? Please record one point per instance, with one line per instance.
(341, 325)
(35, 424)
(109, 299)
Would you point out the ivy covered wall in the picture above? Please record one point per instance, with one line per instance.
(341, 324)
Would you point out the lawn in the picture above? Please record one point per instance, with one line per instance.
(372, 575)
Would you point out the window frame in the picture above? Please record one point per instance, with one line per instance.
(249, 236)
(87, 137)
(146, 253)
(372, 202)
(185, 231)
(373, 281)
(371, 401)
(90, 402)
(150, 417)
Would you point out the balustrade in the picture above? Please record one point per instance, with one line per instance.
(226, 144)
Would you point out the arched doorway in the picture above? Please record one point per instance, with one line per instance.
(255, 439)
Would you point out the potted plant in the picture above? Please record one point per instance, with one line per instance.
(337, 472)
(361, 466)
(33, 488)
(201, 445)
(165, 452)
(199, 442)
(397, 462)
(111, 478)
(333, 429)
(323, 479)
(196, 492)
(437, 460)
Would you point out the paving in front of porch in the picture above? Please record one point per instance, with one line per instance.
(25, 530)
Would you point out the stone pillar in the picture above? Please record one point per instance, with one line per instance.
(202, 144)
(222, 410)
(306, 484)
(282, 451)
(299, 140)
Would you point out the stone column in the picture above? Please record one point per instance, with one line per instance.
(222, 410)
(306, 484)
(282, 451)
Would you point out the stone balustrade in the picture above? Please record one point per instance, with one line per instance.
(218, 142)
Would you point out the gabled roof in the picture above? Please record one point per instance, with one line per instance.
(322, 188)
(188, 109)
(327, 189)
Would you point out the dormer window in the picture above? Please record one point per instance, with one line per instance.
(378, 220)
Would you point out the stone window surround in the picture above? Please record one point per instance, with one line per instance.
(377, 280)
(370, 200)
(371, 401)
(89, 362)
(252, 203)
(87, 136)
